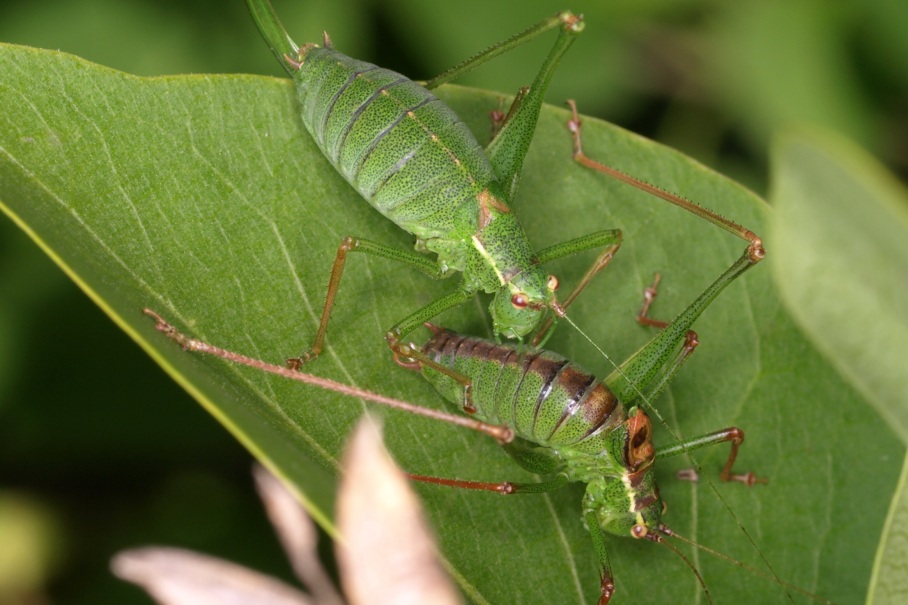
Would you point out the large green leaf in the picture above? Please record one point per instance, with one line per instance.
(201, 197)
(842, 221)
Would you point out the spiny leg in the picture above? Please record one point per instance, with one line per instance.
(610, 238)
(510, 144)
(754, 250)
(732, 434)
(505, 488)
(691, 340)
(410, 357)
(499, 117)
(509, 147)
(352, 244)
(501, 48)
(606, 579)
(643, 366)
(512, 132)
(502, 434)
(598, 265)
(534, 458)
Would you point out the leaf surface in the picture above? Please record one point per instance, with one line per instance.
(842, 221)
(202, 198)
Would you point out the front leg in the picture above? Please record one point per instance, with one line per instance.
(732, 434)
(610, 239)
(607, 580)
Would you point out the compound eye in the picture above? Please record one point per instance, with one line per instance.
(520, 301)
(639, 531)
(553, 283)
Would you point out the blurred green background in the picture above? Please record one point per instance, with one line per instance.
(100, 451)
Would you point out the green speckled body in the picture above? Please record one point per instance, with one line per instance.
(415, 161)
(545, 398)
(566, 422)
(411, 157)
(400, 147)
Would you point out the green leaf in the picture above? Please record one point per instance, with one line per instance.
(202, 198)
(842, 222)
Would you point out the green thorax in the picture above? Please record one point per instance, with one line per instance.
(501, 261)
(625, 504)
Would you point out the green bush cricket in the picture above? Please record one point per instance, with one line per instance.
(415, 161)
(557, 420)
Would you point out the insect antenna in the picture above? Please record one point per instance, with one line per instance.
(500, 433)
(660, 540)
(651, 408)
(720, 555)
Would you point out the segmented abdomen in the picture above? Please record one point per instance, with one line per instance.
(541, 395)
(404, 150)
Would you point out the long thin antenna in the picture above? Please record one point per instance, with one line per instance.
(660, 540)
(669, 532)
(502, 434)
